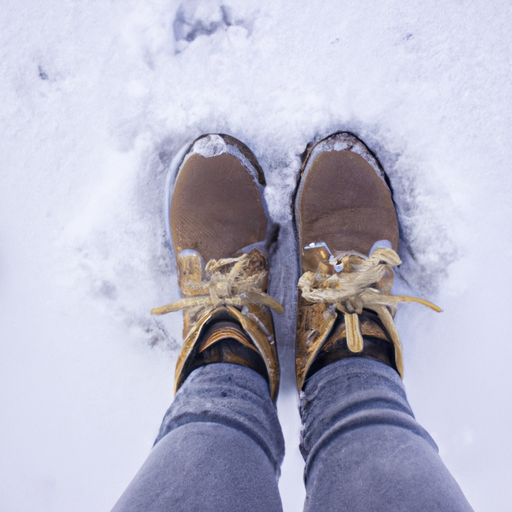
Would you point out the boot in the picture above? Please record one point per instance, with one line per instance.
(348, 233)
(220, 235)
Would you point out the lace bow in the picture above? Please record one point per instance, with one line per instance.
(355, 288)
(229, 281)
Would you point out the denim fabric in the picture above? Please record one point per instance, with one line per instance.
(220, 447)
(363, 448)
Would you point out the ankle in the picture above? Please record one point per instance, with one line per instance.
(224, 341)
(375, 349)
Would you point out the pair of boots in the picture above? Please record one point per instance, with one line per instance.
(348, 234)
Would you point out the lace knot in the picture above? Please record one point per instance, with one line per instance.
(229, 281)
(361, 283)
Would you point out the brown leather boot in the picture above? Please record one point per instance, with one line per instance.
(348, 234)
(220, 235)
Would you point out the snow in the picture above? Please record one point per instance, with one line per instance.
(98, 97)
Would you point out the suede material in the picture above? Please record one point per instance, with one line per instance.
(216, 207)
(344, 203)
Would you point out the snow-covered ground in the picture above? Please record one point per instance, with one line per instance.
(96, 99)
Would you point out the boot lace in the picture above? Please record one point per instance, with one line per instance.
(229, 281)
(354, 288)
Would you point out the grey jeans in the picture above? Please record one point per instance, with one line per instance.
(220, 447)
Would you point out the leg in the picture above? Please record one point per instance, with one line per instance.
(363, 448)
(220, 445)
(219, 448)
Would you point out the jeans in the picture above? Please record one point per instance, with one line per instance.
(220, 447)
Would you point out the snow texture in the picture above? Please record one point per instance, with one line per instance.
(98, 97)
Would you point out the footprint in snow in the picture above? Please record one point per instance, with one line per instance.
(199, 18)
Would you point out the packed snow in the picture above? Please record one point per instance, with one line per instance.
(97, 99)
